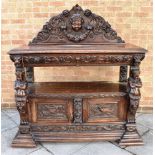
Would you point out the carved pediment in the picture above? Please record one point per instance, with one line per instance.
(76, 26)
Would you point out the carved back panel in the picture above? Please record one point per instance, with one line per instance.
(76, 26)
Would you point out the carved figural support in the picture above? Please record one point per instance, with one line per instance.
(131, 136)
(133, 88)
(134, 83)
(77, 110)
(21, 93)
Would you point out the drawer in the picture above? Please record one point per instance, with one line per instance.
(51, 110)
(104, 109)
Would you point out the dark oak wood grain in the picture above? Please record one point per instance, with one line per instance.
(77, 111)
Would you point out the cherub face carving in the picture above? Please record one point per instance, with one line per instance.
(76, 22)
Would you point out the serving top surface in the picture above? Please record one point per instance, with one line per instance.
(77, 48)
(75, 88)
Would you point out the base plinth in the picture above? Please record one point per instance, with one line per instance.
(23, 140)
(131, 137)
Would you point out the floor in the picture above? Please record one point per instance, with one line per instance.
(9, 127)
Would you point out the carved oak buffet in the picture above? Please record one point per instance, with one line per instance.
(77, 111)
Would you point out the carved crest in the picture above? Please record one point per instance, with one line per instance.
(76, 26)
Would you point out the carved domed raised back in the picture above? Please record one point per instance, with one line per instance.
(76, 27)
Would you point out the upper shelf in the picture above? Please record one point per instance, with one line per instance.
(76, 26)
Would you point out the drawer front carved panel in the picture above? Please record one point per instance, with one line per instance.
(103, 109)
(108, 110)
(52, 110)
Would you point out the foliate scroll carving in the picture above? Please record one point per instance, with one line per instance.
(76, 25)
(103, 110)
(123, 73)
(77, 110)
(77, 60)
(51, 111)
(78, 128)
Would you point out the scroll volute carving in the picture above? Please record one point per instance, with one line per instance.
(76, 26)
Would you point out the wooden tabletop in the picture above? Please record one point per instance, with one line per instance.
(78, 48)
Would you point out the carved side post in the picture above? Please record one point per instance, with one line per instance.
(131, 136)
(77, 110)
(21, 99)
(123, 73)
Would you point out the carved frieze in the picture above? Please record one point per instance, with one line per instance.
(51, 111)
(78, 128)
(77, 60)
(101, 110)
(76, 25)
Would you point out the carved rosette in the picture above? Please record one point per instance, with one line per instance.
(77, 110)
(76, 25)
(134, 85)
(21, 93)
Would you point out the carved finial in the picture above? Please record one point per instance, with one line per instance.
(77, 8)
